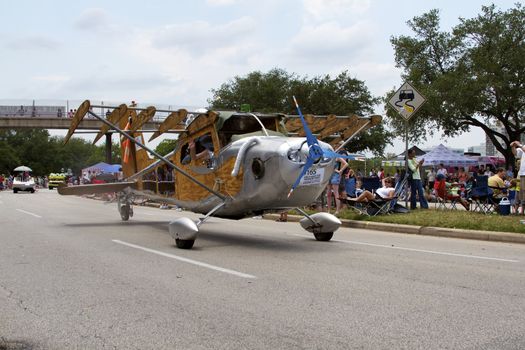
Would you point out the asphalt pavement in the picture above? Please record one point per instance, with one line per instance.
(74, 276)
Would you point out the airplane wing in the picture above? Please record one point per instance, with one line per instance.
(94, 189)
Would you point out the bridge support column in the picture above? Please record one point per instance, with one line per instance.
(108, 148)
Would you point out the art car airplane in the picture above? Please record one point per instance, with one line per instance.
(226, 164)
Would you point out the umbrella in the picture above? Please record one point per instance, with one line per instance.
(23, 168)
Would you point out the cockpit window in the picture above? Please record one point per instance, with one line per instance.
(200, 148)
(244, 124)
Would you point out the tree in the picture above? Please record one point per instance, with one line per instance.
(44, 154)
(273, 91)
(166, 146)
(9, 159)
(473, 76)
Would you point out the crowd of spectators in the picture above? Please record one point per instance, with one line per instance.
(458, 181)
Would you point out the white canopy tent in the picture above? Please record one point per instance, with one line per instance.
(442, 155)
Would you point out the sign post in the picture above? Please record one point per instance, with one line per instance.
(406, 101)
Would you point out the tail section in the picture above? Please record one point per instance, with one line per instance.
(134, 158)
(130, 120)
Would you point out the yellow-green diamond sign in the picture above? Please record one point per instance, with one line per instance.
(406, 101)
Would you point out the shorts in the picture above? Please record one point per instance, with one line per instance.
(521, 195)
(336, 178)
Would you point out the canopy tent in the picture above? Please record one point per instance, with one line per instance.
(486, 160)
(102, 168)
(399, 160)
(442, 155)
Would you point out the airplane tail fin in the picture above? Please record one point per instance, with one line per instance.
(134, 158)
(130, 119)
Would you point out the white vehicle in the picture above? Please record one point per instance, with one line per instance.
(23, 181)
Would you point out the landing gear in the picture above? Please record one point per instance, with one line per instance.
(124, 208)
(125, 212)
(185, 230)
(184, 243)
(322, 225)
(323, 236)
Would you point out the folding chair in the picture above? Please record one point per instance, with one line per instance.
(370, 184)
(378, 205)
(481, 195)
(390, 205)
(442, 196)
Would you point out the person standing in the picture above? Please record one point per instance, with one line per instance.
(519, 151)
(416, 186)
(333, 187)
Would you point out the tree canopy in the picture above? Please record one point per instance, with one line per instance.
(321, 95)
(44, 154)
(472, 76)
(166, 146)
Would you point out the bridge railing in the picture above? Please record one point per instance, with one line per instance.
(66, 108)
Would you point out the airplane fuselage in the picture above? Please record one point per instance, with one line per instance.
(256, 174)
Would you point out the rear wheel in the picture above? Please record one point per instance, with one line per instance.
(32, 190)
(124, 212)
(323, 236)
(184, 243)
(15, 190)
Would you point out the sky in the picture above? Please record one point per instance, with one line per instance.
(174, 52)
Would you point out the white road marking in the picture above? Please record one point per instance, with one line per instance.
(186, 260)
(29, 213)
(419, 250)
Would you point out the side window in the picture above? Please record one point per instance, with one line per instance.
(200, 149)
(185, 154)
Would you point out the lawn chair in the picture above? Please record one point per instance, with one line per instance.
(370, 183)
(442, 196)
(379, 205)
(481, 195)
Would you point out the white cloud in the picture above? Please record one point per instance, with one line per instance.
(200, 36)
(51, 78)
(330, 43)
(220, 2)
(34, 42)
(93, 19)
(321, 10)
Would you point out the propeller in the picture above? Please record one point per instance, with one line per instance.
(315, 152)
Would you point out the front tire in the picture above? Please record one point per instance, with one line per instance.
(15, 190)
(323, 236)
(184, 243)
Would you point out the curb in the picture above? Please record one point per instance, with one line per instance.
(493, 236)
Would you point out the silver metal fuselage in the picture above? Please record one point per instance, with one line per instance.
(270, 166)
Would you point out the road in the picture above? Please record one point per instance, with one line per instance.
(74, 276)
